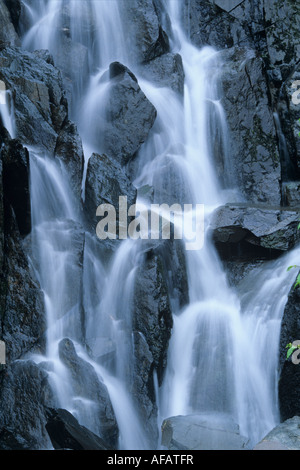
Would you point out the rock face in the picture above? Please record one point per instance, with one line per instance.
(254, 151)
(285, 436)
(208, 24)
(16, 183)
(152, 314)
(8, 35)
(39, 99)
(69, 150)
(289, 380)
(24, 392)
(200, 432)
(23, 321)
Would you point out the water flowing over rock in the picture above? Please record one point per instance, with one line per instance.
(87, 385)
(39, 99)
(112, 343)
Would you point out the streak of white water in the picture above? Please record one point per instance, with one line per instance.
(7, 112)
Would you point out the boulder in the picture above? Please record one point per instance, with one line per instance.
(66, 433)
(253, 144)
(87, 385)
(202, 432)
(130, 116)
(285, 436)
(267, 227)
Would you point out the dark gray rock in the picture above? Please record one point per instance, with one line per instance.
(86, 384)
(291, 193)
(207, 24)
(142, 387)
(152, 314)
(202, 432)
(289, 378)
(24, 391)
(130, 116)
(253, 142)
(66, 433)
(268, 227)
(39, 100)
(146, 37)
(165, 71)
(106, 181)
(285, 436)
(16, 173)
(15, 8)
(283, 39)
(8, 35)
(70, 151)
(23, 319)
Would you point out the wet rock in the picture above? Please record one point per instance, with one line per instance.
(147, 39)
(267, 227)
(39, 100)
(253, 144)
(23, 319)
(24, 391)
(282, 21)
(87, 385)
(70, 151)
(8, 33)
(207, 24)
(143, 386)
(152, 314)
(16, 183)
(15, 8)
(130, 116)
(285, 436)
(202, 432)
(165, 71)
(289, 378)
(292, 194)
(66, 433)
(106, 181)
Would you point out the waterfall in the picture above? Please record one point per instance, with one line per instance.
(229, 336)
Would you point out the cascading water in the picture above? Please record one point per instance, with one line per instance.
(229, 338)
